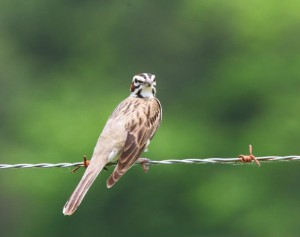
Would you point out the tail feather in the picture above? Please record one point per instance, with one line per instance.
(85, 183)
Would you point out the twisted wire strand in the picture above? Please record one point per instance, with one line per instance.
(160, 162)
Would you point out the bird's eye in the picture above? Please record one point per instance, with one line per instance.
(137, 81)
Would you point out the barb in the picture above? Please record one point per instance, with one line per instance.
(159, 162)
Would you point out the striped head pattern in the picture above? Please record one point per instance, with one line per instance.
(143, 85)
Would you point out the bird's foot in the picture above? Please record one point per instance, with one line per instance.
(250, 157)
(144, 162)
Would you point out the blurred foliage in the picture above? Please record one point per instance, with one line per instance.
(228, 76)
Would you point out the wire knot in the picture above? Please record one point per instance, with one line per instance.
(249, 158)
(85, 164)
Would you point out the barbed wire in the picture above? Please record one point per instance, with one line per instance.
(159, 162)
(145, 162)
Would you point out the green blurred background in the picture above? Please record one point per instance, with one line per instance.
(228, 76)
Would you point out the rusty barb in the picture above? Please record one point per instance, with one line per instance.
(250, 157)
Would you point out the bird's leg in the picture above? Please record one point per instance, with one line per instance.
(144, 162)
(250, 157)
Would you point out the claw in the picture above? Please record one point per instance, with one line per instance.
(144, 162)
(250, 157)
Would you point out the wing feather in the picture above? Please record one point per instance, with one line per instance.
(140, 130)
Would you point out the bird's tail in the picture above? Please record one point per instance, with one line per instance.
(92, 171)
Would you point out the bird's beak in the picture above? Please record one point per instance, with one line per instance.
(148, 83)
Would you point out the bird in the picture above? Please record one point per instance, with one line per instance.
(125, 136)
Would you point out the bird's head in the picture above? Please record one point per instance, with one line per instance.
(143, 85)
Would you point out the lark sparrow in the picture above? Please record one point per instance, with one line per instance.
(125, 136)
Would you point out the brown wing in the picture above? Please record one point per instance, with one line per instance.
(140, 130)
